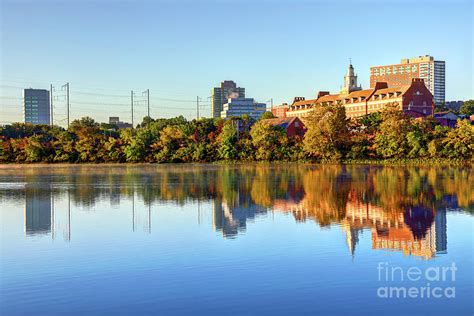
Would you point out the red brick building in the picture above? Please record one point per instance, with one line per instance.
(292, 125)
(414, 99)
(424, 67)
(280, 110)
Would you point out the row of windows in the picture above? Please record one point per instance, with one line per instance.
(394, 70)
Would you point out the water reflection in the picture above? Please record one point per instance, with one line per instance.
(404, 208)
(38, 216)
(42, 218)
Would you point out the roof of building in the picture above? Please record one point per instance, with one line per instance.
(446, 115)
(354, 94)
(328, 98)
(303, 102)
(282, 121)
(360, 93)
(401, 89)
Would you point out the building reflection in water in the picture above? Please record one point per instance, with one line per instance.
(418, 231)
(232, 220)
(141, 217)
(38, 212)
(42, 217)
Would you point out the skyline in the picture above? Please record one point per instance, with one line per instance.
(127, 46)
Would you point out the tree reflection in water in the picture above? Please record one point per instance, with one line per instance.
(404, 207)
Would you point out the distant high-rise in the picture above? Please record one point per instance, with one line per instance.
(425, 67)
(243, 106)
(220, 95)
(36, 106)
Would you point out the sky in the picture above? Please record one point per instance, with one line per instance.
(181, 49)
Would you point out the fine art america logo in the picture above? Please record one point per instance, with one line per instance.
(414, 282)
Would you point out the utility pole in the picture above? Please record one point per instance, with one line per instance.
(271, 104)
(51, 103)
(197, 107)
(148, 100)
(67, 102)
(131, 100)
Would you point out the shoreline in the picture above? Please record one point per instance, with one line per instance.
(376, 162)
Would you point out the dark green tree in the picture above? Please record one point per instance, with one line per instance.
(467, 108)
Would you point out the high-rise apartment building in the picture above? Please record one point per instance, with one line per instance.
(425, 67)
(36, 106)
(220, 95)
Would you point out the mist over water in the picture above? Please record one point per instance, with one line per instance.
(245, 239)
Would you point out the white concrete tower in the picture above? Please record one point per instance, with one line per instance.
(350, 81)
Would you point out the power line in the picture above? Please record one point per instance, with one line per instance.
(88, 87)
(82, 103)
(101, 94)
(113, 95)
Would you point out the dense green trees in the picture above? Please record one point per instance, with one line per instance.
(459, 142)
(467, 108)
(330, 137)
(267, 115)
(227, 141)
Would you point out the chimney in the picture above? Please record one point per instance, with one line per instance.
(296, 99)
(380, 85)
(321, 93)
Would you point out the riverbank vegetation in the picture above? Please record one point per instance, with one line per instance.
(331, 137)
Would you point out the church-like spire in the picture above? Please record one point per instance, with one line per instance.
(350, 80)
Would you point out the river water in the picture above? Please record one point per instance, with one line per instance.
(236, 239)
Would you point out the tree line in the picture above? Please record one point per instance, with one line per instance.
(330, 136)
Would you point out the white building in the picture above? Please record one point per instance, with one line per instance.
(241, 106)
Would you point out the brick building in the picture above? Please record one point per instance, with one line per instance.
(424, 67)
(292, 125)
(414, 99)
(280, 110)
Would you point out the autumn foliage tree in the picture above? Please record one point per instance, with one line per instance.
(327, 137)
(391, 139)
(330, 136)
(267, 140)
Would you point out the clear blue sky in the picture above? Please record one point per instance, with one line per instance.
(181, 49)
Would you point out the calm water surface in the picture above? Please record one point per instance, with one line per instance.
(253, 239)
